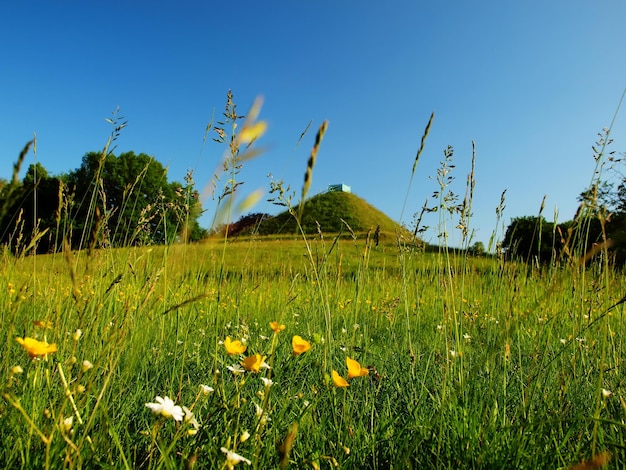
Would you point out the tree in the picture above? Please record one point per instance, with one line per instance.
(32, 212)
(477, 249)
(128, 200)
(531, 238)
(108, 200)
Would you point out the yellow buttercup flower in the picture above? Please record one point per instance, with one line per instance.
(299, 345)
(338, 380)
(36, 348)
(276, 327)
(233, 347)
(254, 363)
(355, 369)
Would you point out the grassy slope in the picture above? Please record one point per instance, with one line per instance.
(328, 209)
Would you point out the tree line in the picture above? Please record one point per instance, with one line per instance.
(108, 201)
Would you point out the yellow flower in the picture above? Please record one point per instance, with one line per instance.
(299, 345)
(36, 348)
(276, 327)
(252, 132)
(338, 380)
(254, 363)
(355, 369)
(233, 347)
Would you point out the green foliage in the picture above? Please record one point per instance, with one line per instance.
(133, 195)
(530, 238)
(108, 200)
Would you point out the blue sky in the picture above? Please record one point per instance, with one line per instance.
(532, 83)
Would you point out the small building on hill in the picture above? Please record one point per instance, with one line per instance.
(339, 188)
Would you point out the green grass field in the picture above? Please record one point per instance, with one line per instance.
(472, 362)
(310, 351)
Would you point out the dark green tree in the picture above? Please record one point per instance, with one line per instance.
(531, 238)
(31, 217)
(128, 200)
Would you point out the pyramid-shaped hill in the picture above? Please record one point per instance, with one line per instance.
(328, 209)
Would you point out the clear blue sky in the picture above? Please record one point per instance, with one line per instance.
(531, 82)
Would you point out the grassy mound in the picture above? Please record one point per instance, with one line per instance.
(328, 209)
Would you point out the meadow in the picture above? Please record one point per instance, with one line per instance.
(471, 362)
(311, 351)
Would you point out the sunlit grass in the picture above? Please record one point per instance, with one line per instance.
(524, 362)
(314, 351)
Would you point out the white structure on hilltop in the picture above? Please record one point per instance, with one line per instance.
(339, 188)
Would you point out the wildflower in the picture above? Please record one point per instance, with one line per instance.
(77, 334)
(86, 365)
(355, 369)
(36, 348)
(236, 369)
(261, 414)
(233, 347)
(338, 380)
(276, 327)
(233, 459)
(255, 363)
(252, 132)
(66, 424)
(191, 419)
(606, 393)
(244, 436)
(299, 345)
(206, 389)
(467, 337)
(15, 370)
(165, 407)
(267, 382)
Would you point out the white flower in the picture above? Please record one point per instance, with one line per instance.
(86, 365)
(467, 337)
(206, 389)
(563, 341)
(267, 382)
(67, 423)
(606, 393)
(166, 407)
(233, 459)
(191, 419)
(236, 369)
(453, 353)
(77, 334)
(261, 414)
(244, 436)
